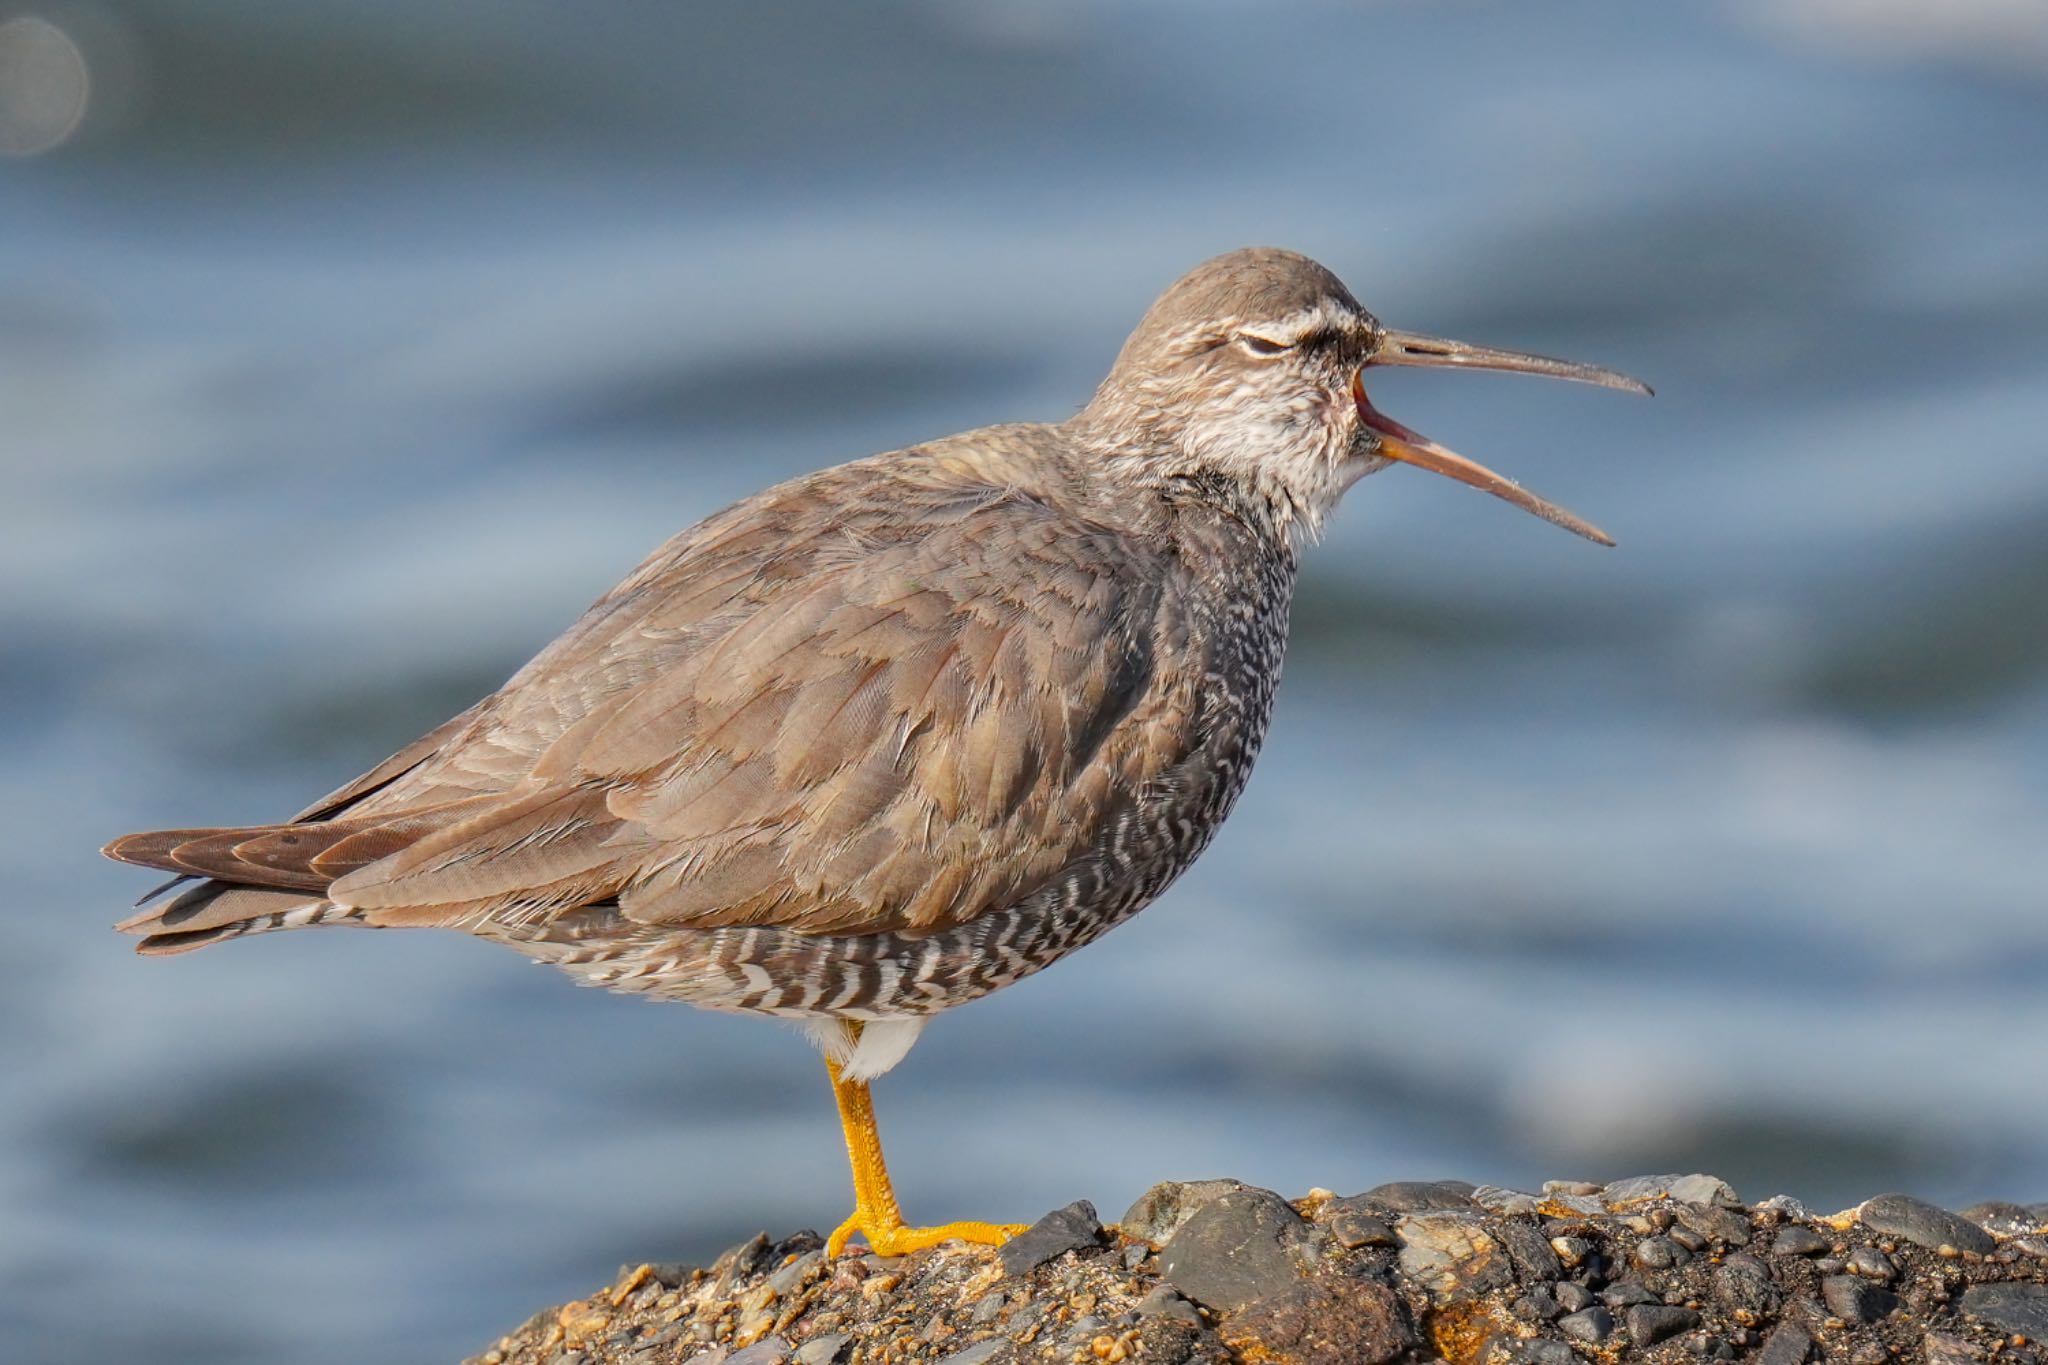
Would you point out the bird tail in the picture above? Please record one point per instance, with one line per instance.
(178, 920)
(261, 877)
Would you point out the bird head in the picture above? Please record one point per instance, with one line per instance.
(1253, 366)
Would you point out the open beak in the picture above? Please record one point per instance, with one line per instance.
(1397, 442)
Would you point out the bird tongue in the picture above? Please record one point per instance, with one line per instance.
(1397, 442)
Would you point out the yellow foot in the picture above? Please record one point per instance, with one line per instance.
(896, 1240)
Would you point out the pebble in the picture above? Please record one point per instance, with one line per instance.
(2021, 1309)
(1453, 1254)
(1649, 1324)
(1571, 1297)
(1235, 1249)
(1870, 1263)
(1800, 1241)
(1787, 1345)
(1573, 1187)
(1538, 1305)
(1591, 1325)
(1923, 1224)
(1073, 1228)
(1160, 1211)
(1857, 1300)
(825, 1350)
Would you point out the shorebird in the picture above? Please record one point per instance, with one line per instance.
(887, 737)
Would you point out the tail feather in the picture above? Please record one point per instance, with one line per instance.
(300, 857)
(212, 911)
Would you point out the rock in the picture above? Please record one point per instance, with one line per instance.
(1870, 1263)
(1704, 1189)
(1584, 1205)
(1073, 1228)
(1529, 1351)
(1309, 1324)
(1787, 1345)
(766, 1351)
(1657, 1253)
(2021, 1309)
(1160, 1211)
(1452, 1254)
(796, 1272)
(1592, 1325)
(1512, 1203)
(1164, 1301)
(1943, 1349)
(1526, 1247)
(1857, 1300)
(1572, 1187)
(1571, 1251)
(2007, 1220)
(1625, 1293)
(1649, 1324)
(1744, 1282)
(1799, 1241)
(1419, 1196)
(1538, 1305)
(1234, 1250)
(1715, 1223)
(1571, 1297)
(830, 1349)
(1687, 1189)
(1352, 1227)
(980, 1353)
(1921, 1223)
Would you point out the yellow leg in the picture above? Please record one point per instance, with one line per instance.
(875, 1215)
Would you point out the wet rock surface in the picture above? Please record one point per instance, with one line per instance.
(1656, 1268)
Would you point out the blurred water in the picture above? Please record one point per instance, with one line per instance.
(346, 352)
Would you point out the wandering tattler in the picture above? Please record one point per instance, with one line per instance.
(893, 735)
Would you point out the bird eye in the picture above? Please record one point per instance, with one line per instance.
(1259, 345)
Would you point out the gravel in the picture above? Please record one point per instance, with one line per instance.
(1668, 1270)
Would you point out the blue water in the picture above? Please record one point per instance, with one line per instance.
(347, 351)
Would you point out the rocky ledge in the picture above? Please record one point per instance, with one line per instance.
(1657, 1269)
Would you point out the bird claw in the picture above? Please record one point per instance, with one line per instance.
(894, 1239)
